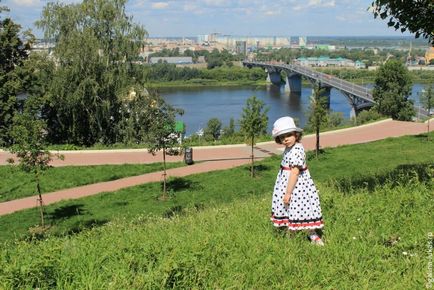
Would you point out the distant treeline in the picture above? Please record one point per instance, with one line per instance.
(164, 72)
(357, 75)
(368, 56)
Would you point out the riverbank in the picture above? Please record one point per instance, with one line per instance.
(353, 75)
(205, 83)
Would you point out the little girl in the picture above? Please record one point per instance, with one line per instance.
(296, 204)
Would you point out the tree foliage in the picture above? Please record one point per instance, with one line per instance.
(415, 16)
(29, 134)
(164, 72)
(318, 113)
(14, 50)
(229, 130)
(254, 121)
(161, 133)
(392, 90)
(212, 130)
(96, 43)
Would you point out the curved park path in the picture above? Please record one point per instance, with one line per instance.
(212, 158)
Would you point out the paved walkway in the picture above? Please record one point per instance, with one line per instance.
(213, 158)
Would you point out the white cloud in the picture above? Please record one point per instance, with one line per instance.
(26, 2)
(311, 4)
(218, 3)
(271, 12)
(193, 8)
(159, 5)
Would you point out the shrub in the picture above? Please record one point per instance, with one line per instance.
(367, 116)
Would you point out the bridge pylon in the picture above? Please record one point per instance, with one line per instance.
(293, 82)
(274, 77)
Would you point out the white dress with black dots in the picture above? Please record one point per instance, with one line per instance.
(304, 209)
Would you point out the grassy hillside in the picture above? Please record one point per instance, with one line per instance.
(16, 184)
(348, 168)
(375, 239)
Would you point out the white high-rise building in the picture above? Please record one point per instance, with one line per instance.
(302, 41)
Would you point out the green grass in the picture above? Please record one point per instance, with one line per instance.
(374, 240)
(346, 167)
(214, 231)
(16, 184)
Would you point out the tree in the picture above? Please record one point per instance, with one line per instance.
(391, 90)
(229, 130)
(254, 121)
(427, 102)
(212, 130)
(29, 138)
(415, 16)
(318, 114)
(14, 50)
(161, 134)
(95, 46)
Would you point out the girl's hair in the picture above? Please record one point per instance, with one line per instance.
(298, 136)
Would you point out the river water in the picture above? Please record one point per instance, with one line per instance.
(201, 104)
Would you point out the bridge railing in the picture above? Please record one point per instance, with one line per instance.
(346, 86)
(343, 85)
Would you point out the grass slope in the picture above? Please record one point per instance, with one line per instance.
(375, 239)
(18, 184)
(347, 167)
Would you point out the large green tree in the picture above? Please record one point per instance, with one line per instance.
(14, 50)
(95, 46)
(415, 16)
(392, 90)
(254, 121)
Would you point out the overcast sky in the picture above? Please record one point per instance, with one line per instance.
(237, 17)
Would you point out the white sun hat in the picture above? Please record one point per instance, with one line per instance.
(284, 125)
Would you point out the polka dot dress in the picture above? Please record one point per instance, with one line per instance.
(304, 209)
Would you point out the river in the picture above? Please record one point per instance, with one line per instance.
(203, 103)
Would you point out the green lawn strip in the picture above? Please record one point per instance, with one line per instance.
(374, 240)
(353, 166)
(16, 184)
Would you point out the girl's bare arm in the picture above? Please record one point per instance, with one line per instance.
(295, 171)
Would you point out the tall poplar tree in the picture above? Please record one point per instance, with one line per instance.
(95, 46)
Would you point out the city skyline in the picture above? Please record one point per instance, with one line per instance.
(240, 17)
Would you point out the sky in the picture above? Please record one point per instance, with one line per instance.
(164, 18)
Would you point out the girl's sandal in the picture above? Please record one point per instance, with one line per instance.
(316, 241)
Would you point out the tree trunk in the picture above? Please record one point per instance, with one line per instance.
(317, 142)
(41, 204)
(252, 168)
(164, 173)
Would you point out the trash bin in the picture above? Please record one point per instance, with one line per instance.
(188, 156)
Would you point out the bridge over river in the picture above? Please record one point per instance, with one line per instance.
(359, 97)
